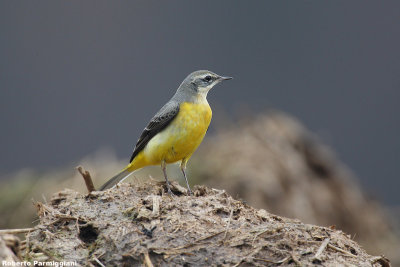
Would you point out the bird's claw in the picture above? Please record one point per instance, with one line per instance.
(170, 192)
(189, 192)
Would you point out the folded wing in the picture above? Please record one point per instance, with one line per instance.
(158, 123)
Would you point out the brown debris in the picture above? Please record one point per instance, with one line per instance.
(112, 228)
(88, 179)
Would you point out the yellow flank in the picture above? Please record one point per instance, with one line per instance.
(179, 139)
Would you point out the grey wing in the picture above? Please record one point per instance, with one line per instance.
(161, 120)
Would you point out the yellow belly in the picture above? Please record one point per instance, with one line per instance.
(179, 139)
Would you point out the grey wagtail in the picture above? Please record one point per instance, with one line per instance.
(176, 130)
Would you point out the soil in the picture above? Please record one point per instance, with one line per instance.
(136, 225)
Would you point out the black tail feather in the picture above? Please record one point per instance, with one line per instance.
(114, 180)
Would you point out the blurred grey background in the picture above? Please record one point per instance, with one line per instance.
(76, 76)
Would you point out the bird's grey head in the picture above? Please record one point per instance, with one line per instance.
(200, 82)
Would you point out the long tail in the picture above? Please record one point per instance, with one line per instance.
(116, 179)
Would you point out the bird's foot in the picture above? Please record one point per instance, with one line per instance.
(170, 191)
(189, 192)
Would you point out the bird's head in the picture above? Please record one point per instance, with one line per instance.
(200, 82)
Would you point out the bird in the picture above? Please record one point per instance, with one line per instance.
(176, 130)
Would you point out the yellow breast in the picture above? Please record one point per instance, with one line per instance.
(182, 137)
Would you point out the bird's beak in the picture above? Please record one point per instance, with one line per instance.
(225, 78)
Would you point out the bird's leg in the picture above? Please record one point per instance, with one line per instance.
(164, 168)
(183, 168)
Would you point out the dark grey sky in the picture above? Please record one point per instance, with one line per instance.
(76, 76)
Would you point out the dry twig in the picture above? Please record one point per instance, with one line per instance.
(274, 262)
(295, 260)
(16, 231)
(99, 262)
(156, 205)
(49, 255)
(321, 249)
(340, 250)
(208, 236)
(229, 222)
(382, 260)
(192, 243)
(88, 179)
(147, 260)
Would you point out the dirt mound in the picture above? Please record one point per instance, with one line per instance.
(140, 224)
(273, 162)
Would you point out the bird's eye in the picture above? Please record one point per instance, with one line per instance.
(207, 78)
